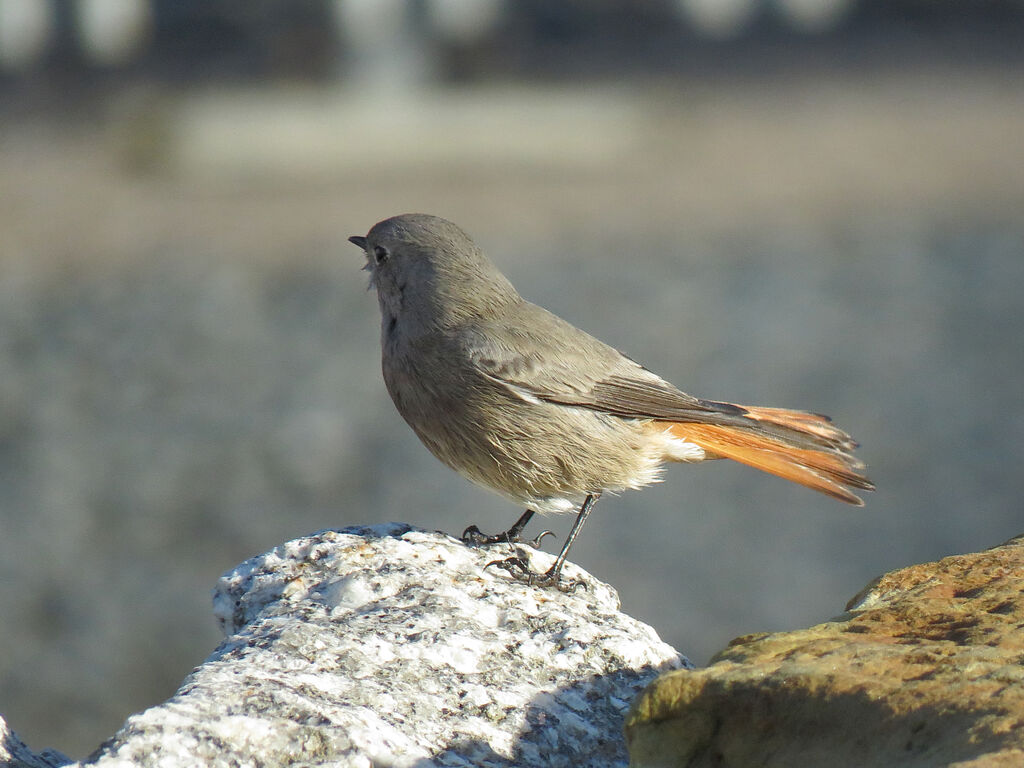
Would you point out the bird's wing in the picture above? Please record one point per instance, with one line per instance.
(538, 356)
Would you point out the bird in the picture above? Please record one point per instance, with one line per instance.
(523, 403)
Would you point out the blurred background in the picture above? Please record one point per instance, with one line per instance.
(803, 203)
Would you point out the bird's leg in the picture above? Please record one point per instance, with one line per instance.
(475, 538)
(519, 569)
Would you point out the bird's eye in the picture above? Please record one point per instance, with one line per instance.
(380, 254)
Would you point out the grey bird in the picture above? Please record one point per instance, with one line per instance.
(525, 404)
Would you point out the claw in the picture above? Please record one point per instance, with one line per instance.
(474, 537)
(513, 565)
(536, 540)
(519, 570)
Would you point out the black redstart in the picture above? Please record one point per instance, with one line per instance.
(521, 402)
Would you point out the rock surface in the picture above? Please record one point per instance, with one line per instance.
(394, 646)
(15, 754)
(926, 668)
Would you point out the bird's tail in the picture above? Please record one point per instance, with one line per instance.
(795, 445)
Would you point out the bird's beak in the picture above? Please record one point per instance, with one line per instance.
(357, 240)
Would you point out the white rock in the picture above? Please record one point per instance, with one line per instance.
(390, 645)
(14, 753)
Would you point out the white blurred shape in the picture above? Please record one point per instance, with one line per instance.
(464, 21)
(373, 18)
(814, 15)
(387, 52)
(26, 27)
(720, 19)
(304, 135)
(112, 31)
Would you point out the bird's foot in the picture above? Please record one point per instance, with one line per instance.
(474, 537)
(519, 569)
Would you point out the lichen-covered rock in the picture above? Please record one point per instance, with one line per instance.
(926, 668)
(394, 646)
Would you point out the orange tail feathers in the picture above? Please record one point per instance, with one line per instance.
(798, 446)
